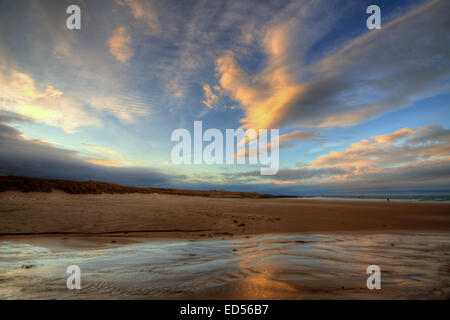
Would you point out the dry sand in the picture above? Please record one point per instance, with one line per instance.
(154, 215)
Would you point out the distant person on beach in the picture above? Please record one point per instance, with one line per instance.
(387, 199)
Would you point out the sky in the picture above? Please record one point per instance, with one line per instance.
(359, 110)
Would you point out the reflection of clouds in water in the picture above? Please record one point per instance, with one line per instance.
(260, 270)
(259, 267)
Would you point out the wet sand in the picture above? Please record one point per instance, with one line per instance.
(280, 266)
(156, 215)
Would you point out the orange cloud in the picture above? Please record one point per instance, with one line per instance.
(119, 45)
(282, 182)
(379, 152)
(263, 103)
(105, 162)
(211, 99)
(395, 136)
(107, 157)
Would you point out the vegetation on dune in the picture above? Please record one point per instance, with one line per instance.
(27, 184)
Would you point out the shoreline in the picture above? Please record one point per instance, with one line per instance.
(77, 242)
(394, 200)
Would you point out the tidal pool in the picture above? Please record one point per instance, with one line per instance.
(280, 266)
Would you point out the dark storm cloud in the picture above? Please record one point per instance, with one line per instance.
(34, 158)
(7, 116)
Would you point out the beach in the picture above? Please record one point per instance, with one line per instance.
(153, 246)
(159, 215)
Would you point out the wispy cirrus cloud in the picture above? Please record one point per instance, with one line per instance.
(124, 107)
(360, 81)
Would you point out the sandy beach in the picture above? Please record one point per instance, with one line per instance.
(156, 215)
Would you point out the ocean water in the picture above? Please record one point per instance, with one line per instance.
(283, 266)
(383, 198)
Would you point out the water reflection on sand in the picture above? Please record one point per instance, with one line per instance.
(290, 266)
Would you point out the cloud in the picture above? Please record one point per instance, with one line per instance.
(41, 103)
(198, 32)
(362, 80)
(211, 99)
(35, 158)
(249, 144)
(77, 64)
(283, 182)
(290, 174)
(426, 144)
(7, 116)
(297, 135)
(119, 45)
(104, 156)
(407, 158)
(105, 162)
(395, 136)
(45, 104)
(125, 107)
(144, 11)
(102, 150)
